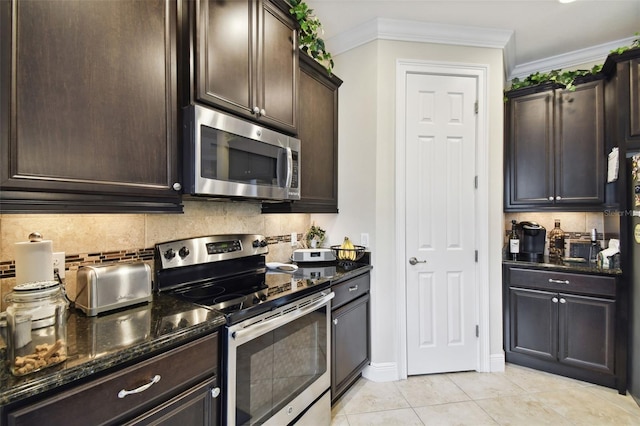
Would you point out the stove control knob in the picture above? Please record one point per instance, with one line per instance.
(184, 252)
(263, 297)
(169, 254)
(263, 243)
(255, 243)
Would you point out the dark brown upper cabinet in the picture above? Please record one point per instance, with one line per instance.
(318, 134)
(554, 148)
(623, 103)
(89, 106)
(244, 59)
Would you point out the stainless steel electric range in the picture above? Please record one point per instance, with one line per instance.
(276, 341)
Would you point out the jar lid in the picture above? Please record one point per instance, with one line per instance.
(34, 290)
(36, 286)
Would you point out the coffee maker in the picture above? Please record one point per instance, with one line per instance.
(532, 241)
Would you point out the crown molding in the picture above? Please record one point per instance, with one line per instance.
(429, 32)
(424, 32)
(596, 54)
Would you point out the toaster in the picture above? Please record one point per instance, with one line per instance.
(104, 288)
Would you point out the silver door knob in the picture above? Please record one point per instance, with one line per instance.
(415, 261)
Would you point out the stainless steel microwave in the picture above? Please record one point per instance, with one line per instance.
(232, 158)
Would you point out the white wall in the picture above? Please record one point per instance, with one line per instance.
(367, 173)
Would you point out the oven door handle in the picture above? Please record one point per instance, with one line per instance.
(256, 330)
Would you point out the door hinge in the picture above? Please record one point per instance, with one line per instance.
(475, 107)
(477, 331)
(475, 182)
(476, 256)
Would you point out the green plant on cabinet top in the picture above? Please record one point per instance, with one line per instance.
(308, 36)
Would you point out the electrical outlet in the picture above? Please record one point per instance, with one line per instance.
(58, 263)
(294, 239)
(364, 239)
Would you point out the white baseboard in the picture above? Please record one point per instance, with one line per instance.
(381, 372)
(497, 363)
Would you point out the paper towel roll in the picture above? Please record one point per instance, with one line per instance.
(34, 261)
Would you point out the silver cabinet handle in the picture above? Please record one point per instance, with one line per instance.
(256, 110)
(141, 389)
(558, 198)
(353, 288)
(563, 300)
(215, 392)
(554, 300)
(551, 198)
(177, 186)
(415, 261)
(263, 112)
(551, 280)
(335, 321)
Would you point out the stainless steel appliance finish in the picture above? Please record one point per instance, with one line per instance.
(105, 288)
(294, 343)
(228, 157)
(277, 340)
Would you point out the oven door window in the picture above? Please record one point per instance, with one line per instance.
(276, 367)
(234, 158)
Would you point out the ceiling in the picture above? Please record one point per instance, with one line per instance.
(538, 29)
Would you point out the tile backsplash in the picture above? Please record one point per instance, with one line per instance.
(577, 224)
(99, 238)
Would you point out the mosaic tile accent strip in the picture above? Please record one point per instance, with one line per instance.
(74, 261)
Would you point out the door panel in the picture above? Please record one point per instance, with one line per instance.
(440, 230)
(587, 331)
(534, 329)
(531, 136)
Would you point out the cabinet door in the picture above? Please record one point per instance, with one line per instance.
(277, 69)
(533, 319)
(247, 60)
(529, 141)
(587, 332)
(350, 344)
(197, 406)
(579, 145)
(93, 113)
(318, 134)
(225, 54)
(634, 104)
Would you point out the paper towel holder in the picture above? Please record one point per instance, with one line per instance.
(35, 237)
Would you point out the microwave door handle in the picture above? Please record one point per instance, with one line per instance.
(289, 168)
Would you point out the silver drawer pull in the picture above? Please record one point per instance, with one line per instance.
(563, 300)
(353, 288)
(142, 388)
(554, 300)
(551, 280)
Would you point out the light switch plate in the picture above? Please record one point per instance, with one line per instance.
(294, 239)
(364, 239)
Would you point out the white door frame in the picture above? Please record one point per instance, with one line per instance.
(480, 72)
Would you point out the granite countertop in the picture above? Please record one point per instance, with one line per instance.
(95, 344)
(561, 266)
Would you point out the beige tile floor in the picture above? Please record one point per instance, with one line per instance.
(519, 396)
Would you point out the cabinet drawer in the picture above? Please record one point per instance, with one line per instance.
(350, 290)
(562, 281)
(97, 402)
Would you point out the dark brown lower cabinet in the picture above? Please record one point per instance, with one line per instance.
(572, 330)
(565, 323)
(350, 350)
(177, 387)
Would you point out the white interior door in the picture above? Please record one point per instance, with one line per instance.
(440, 223)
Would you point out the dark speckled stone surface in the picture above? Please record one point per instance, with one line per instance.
(547, 264)
(96, 344)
